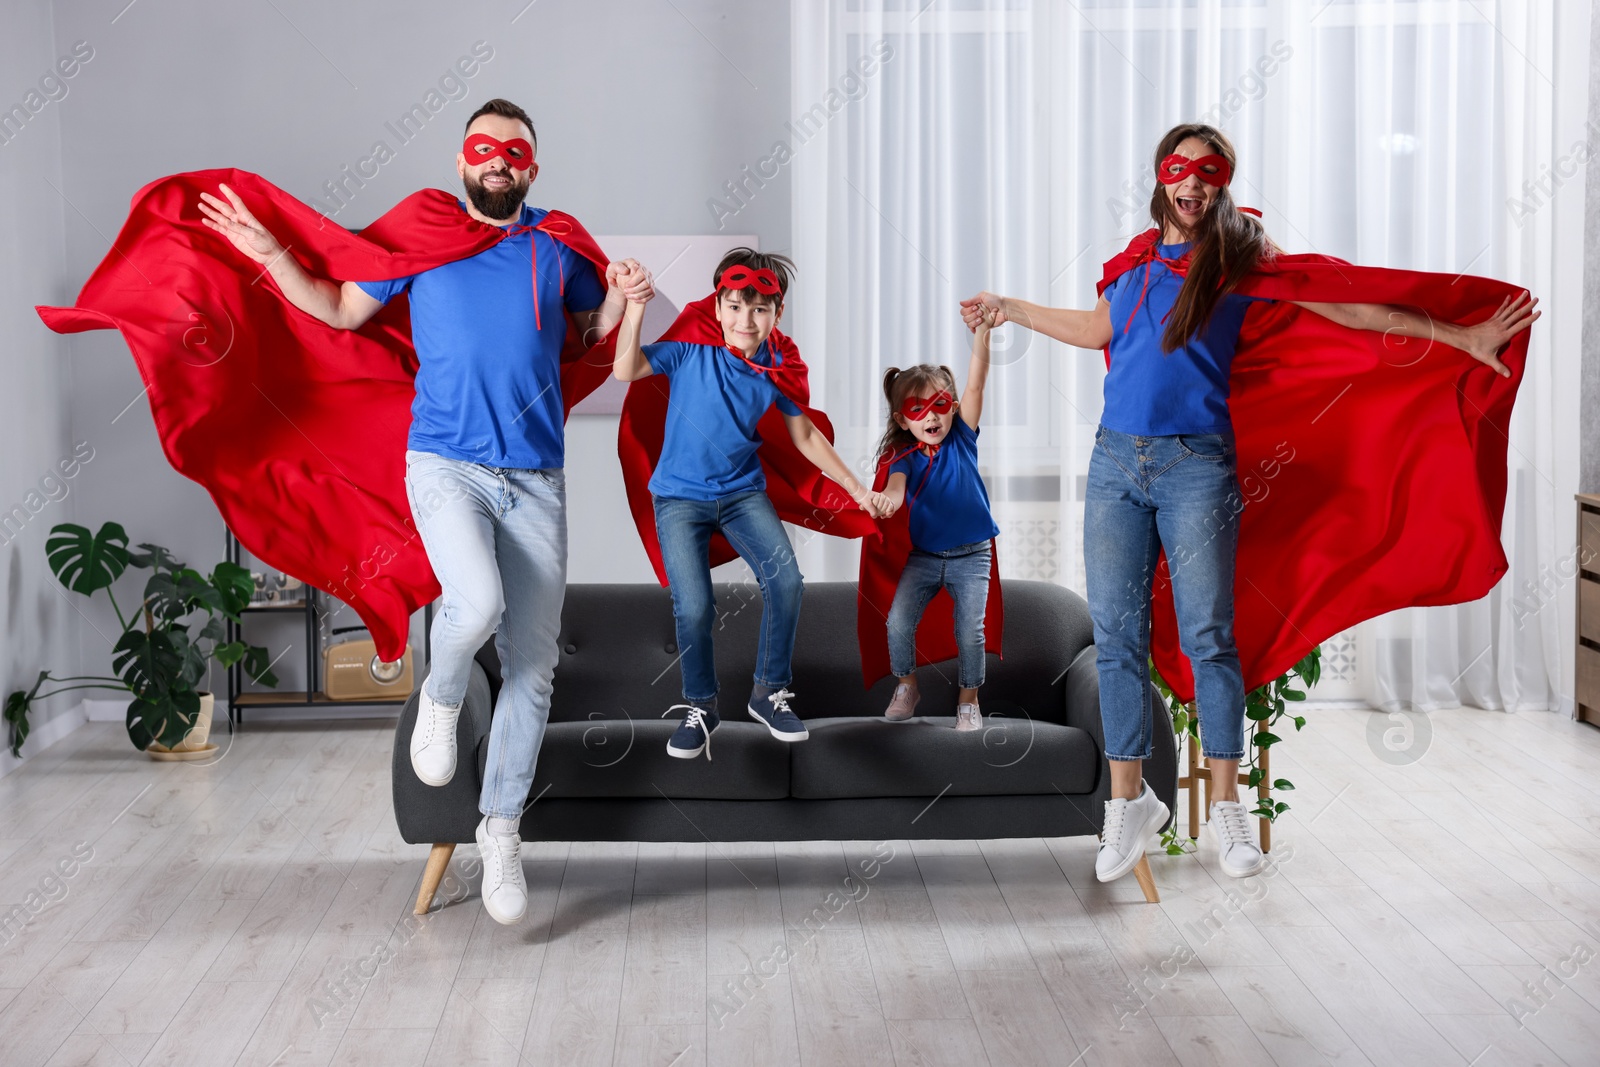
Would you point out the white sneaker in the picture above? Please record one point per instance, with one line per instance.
(433, 741)
(1129, 824)
(1237, 850)
(505, 893)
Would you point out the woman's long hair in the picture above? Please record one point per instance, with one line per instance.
(1227, 242)
(899, 384)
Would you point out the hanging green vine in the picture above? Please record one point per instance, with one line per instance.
(1268, 703)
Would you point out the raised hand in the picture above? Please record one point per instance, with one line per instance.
(636, 282)
(984, 309)
(643, 289)
(1484, 340)
(616, 268)
(235, 222)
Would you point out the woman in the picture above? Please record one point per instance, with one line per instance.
(1163, 471)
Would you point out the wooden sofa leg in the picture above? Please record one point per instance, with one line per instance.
(433, 874)
(1147, 881)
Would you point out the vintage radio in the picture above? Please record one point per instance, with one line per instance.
(351, 670)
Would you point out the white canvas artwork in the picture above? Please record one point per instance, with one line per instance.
(683, 268)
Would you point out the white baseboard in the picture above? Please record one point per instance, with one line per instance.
(322, 712)
(1335, 705)
(101, 709)
(117, 711)
(44, 733)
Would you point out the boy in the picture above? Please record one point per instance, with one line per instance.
(709, 480)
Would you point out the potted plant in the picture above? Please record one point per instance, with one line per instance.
(163, 661)
(1264, 706)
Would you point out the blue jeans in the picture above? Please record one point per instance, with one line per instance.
(1178, 492)
(751, 525)
(964, 570)
(497, 540)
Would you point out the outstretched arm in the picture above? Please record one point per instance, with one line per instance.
(1081, 329)
(1482, 342)
(978, 371)
(630, 363)
(344, 307)
(602, 320)
(816, 448)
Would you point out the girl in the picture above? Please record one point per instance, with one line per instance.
(1162, 474)
(931, 448)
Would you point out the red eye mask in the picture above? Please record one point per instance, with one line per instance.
(1219, 175)
(916, 408)
(517, 152)
(741, 277)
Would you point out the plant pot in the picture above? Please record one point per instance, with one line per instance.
(195, 740)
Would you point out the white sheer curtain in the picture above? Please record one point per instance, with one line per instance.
(949, 146)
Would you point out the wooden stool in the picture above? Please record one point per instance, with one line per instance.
(1200, 771)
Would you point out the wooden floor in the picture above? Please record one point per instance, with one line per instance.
(256, 911)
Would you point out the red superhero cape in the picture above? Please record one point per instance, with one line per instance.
(296, 429)
(799, 491)
(1373, 466)
(883, 560)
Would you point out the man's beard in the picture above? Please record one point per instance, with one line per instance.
(497, 205)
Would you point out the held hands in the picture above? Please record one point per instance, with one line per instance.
(986, 310)
(637, 283)
(1483, 341)
(986, 317)
(235, 222)
(878, 505)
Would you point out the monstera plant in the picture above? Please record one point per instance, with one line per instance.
(167, 643)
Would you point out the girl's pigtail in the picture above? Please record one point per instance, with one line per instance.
(886, 442)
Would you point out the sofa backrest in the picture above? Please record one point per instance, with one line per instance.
(619, 654)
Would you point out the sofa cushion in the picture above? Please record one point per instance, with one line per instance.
(619, 652)
(628, 758)
(925, 756)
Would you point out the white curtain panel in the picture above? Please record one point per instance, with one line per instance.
(939, 148)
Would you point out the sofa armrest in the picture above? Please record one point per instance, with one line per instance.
(449, 813)
(1083, 711)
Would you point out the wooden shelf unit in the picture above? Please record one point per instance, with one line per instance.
(1588, 608)
(308, 607)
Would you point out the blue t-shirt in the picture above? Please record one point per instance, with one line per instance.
(952, 507)
(488, 382)
(1156, 393)
(709, 450)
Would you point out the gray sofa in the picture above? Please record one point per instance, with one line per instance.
(1037, 769)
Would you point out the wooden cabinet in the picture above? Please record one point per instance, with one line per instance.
(1588, 674)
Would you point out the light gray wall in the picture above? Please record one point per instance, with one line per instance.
(1589, 387)
(36, 627)
(643, 110)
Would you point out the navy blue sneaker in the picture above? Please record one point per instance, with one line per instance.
(693, 735)
(774, 712)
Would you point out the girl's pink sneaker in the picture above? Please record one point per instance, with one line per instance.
(904, 703)
(968, 717)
